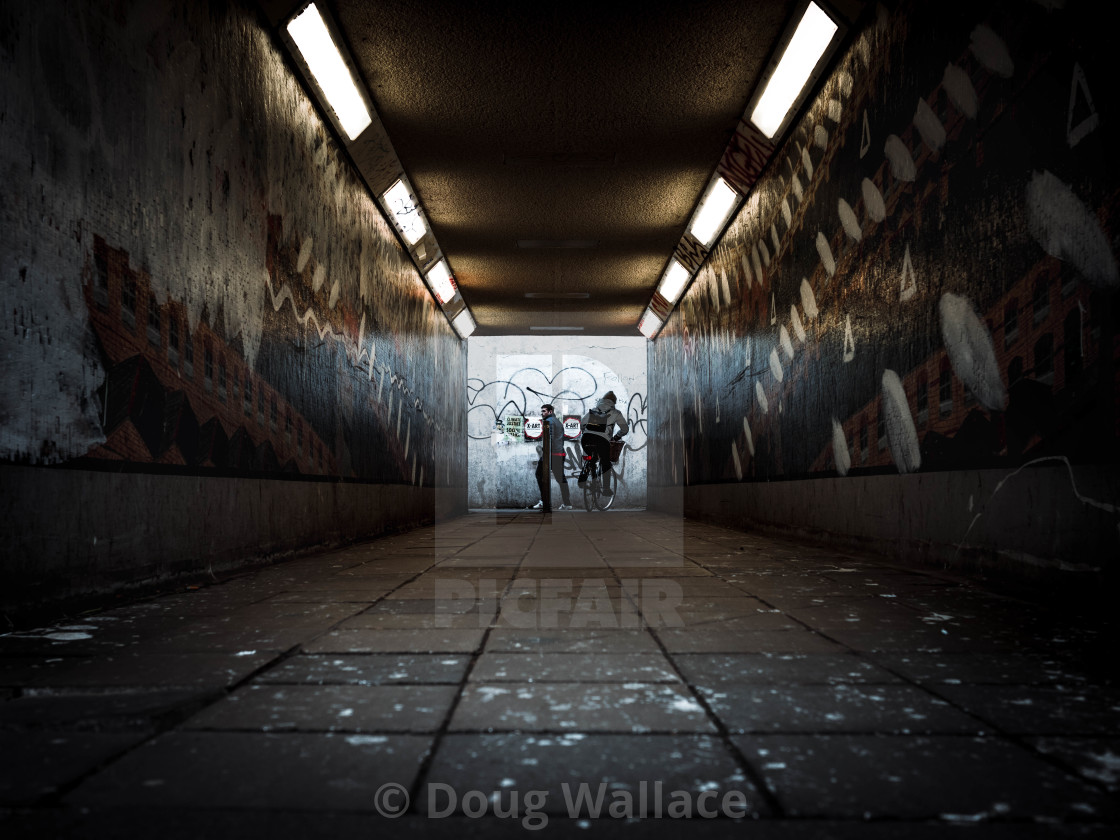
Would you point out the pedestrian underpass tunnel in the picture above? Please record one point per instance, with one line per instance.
(274, 369)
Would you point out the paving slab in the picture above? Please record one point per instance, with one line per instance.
(397, 641)
(570, 641)
(575, 707)
(253, 771)
(953, 779)
(720, 640)
(110, 711)
(713, 669)
(1041, 710)
(38, 764)
(573, 667)
(835, 708)
(583, 774)
(368, 669)
(329, 708)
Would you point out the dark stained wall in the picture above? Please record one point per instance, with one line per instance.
(200, 297)
(908, 335)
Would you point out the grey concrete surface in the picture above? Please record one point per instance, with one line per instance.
(767, 687)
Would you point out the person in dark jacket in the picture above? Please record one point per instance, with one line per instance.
(556, 433)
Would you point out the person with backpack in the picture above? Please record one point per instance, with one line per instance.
(598, 431)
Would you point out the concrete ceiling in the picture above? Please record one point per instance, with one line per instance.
(558, 149)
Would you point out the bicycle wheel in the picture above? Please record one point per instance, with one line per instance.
(588, 485)
(601, 499)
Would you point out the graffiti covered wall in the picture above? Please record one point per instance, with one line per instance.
(195, 280)
(510, 378)
(925, 278)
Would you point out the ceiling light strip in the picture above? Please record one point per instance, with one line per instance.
(781, 94)
(321, 53)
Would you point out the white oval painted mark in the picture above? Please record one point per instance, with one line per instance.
(760, 395)
(901, 433)
(765, 252)
(835, 110)
(1067, 229)
(840, 455)
(750, 437)
(929, 126)
(735, 461)
(304, 254)
(725, 287)
(774, 238)
(820, 137)
(319, 277)
(808, 300)
(873, 201)
(787, 345)
(848, 220)
(747, 270)
(798, 327)
(825, 252)
(902, 164)
(787, 214)
(67, 637)
(971, 351)
(756, 261)
(776, 363)
(961, 92)
(991, 51)
(807, 163)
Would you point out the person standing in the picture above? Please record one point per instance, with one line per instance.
(598, 432)
(556, 459)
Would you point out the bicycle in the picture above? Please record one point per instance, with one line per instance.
(593, 498)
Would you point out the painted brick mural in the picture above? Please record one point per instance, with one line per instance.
(925, 277)
(193, 277)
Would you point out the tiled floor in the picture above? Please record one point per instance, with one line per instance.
(506, 673)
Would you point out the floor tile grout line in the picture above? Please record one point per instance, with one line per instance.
(437, 739)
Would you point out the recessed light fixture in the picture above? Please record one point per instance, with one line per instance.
(464, 323)
(439, 278)
(649, 325)
(558, 329)
(675, 279)
(715, 209)
(405, 212)
(809, 42)
(324, 60)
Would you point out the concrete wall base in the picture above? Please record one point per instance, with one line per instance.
(75, 535)
(1041, 523)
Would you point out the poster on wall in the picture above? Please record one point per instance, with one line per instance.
(534, 428)
(513, 426)
(571, 426)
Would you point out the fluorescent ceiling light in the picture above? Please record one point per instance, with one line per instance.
(325, 63)
(813, 35)
(649, 325)
(561, 329)
(439, 278)
(714, 212)
(464, 323)
(406, 212)
(673, 284)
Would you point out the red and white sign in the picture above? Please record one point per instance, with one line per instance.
(534, 428)
(571, 426)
